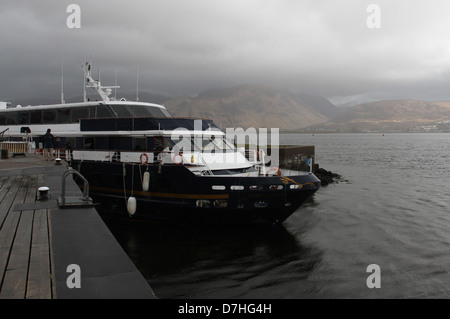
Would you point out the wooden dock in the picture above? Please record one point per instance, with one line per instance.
(39, 241)
(24, 239)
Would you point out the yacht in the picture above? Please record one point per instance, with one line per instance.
(142, 162)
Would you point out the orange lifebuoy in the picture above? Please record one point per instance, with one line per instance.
(145, 161)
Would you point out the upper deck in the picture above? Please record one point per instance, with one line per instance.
(74, 112)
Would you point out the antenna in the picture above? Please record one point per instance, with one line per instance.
(137, 85)
(83, 66)
(62, 81)
(115, 87)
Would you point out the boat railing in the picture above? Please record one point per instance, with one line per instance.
(192, 159)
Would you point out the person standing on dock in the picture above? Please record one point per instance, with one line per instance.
(49, 144)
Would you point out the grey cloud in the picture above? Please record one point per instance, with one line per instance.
(188, 46)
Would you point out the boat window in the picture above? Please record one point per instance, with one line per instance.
(114, 142)
(161, 143)
(125, 143)
(92, 112)
(11, 118)
(157, 112)
(158, 143)
(166, 113)
(103, 111)
(121, 111)
(139, 110)
(207, 144)
(79, 142)
(2, 119)
(49, 116)
(221, 143)
(89, 143)
(120, 143)
(212, 143)
(36, 117)
(102, 143)
(79, 113)
(140, 144)
(168, 144)
(183, 143)
(24, 117)
(70, 142)
(63, 115)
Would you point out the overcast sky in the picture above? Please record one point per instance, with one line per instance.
(188, 46)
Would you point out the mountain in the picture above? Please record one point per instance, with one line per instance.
(254, 106)
(390, 115)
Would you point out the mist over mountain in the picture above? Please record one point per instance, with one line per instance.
(390, 116)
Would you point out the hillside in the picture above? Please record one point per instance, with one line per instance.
(254, 106)
(391, 115)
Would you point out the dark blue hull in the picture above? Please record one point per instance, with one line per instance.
(176, 195)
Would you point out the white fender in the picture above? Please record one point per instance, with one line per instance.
(131, 205)
(146, 181)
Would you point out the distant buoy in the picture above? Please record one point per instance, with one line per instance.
(146, 181)
(131, 206)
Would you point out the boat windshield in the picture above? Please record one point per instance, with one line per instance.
(213, 143)
(147, 110)
(202, 143)
(122, 111)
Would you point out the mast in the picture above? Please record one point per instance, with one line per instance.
(62, 81)
(103, 91)
(84, 88)
(137, 85)
(115, 88)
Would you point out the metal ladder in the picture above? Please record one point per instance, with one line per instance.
(71, 202)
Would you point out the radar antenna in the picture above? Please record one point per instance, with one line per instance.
(103, 91)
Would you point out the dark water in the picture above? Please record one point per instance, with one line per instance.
(393, 210)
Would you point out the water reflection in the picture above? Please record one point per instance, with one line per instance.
(218, 262)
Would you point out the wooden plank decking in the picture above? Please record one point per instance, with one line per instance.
(38, 240)
(25, 265)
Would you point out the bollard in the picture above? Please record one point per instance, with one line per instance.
(43, 193)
